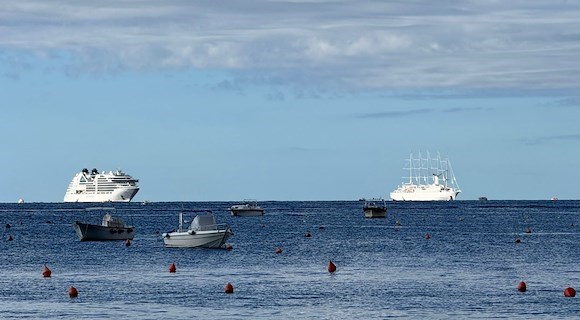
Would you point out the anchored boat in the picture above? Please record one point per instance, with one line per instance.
(443, 186)
(95, 186)
(375, 208)
(111, 228)
(203, 232)
(249, 207)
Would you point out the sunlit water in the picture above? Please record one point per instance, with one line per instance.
(469, 268)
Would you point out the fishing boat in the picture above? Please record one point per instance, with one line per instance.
(203, 232)
(375, 208)
(442, 187)
(111, 228)
(95, 186)
(249, 207)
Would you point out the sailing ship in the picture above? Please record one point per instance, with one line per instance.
(430, 179)
(95, 186)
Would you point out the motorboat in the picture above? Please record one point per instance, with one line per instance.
(248, 207)
(203, 232)
(111, 228)
(375, 208)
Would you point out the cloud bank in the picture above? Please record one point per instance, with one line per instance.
(361, 45)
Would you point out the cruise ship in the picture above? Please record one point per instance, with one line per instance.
(443, 186)
(112, 186)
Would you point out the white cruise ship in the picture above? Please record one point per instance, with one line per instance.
(442, 187)
(112, 186)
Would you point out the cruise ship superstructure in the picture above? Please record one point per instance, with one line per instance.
(430, 179)
(95, 186)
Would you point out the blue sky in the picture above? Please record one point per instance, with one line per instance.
(289, 100)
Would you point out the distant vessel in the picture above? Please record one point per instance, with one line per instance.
(375, 208)
(442, 188)
(111, 228)
(20, 200)
(112, 186)
(249, 207)
(203, 232)
(482, 198)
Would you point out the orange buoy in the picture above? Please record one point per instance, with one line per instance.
(127, 243)
(278, 250)
(229, 288)
(10, 237)
(172, 267)
(229, 247)
(569, 292)
(427, 236)
(46, 272)
(529, 230)
(331, 267)
(307, 234)
(522, 286)
(73, 292)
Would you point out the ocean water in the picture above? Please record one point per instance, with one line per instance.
(469, 268)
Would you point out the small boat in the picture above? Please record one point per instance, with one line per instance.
(248, 207)
(375, 208)
(111, 228)
(203, 232)
(482, 198)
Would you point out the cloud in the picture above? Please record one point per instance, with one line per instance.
(553, 139)
(323, 45)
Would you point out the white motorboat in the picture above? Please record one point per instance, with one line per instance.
(111, 228)
(203, 232)
(112, 186)
(444, 186)
(375, 208)
(249, 207)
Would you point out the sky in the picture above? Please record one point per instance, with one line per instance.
(289, 100)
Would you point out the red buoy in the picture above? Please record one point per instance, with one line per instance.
(427, 236)
(229, 288)
(229, 247)
(46, 272)
(331, 267)
(518, 241)
(522, 287)
(127, 243)
(278, 250)
(10, 237)
(529, 230)
(72, 292)
(172, 267)
(307, 234)
(569, 292)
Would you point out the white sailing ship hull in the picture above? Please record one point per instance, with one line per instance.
(424, 195)
(121, 194)
(204, 239)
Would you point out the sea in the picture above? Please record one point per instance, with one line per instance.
(434, 260)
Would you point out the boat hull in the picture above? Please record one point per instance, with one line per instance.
(247, 212)
(118, 195)
(375, 212)
(420, 195)
(93, 232)
(200, 239)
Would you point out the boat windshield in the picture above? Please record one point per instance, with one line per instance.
(203, 223)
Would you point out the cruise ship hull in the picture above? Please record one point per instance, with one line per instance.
(118, 195)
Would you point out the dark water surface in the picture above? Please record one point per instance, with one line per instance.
(469, 268)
